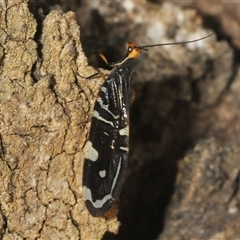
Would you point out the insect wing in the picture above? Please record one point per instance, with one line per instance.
(107, 148)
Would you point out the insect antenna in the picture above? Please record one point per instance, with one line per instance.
(172, 43)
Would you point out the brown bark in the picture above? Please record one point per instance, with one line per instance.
(45, 111)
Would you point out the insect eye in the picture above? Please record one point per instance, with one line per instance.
(130, 49)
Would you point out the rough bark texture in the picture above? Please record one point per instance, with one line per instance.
(45, 112)
(183, 177)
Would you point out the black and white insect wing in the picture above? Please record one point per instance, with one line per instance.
(106, 152)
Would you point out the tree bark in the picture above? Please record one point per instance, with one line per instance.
(45, 111)
(183, 170)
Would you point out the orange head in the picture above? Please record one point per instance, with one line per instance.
(133, 50)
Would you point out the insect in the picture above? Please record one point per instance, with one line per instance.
(106, 151)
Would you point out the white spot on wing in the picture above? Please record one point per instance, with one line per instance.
(87, 194)
(124, 131)
(102, 173)
(90, 152)
(124, 149)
